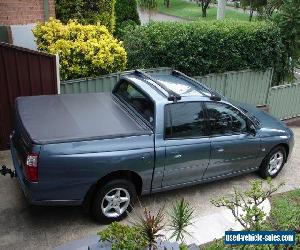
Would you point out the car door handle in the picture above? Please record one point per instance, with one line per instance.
(220, 150)
(177, 156)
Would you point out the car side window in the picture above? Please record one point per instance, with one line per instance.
(136, 99)
(225, 119)
(184, 120)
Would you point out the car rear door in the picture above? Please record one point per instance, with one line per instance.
(233, 148)
(187, 145)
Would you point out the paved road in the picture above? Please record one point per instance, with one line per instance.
(144, 17)
(25, 227)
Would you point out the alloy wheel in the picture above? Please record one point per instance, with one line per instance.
(115, 202)
(275, 163)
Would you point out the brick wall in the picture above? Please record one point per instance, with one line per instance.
(24, 11)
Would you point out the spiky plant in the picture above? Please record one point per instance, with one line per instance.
(181, 217)
(150, 224)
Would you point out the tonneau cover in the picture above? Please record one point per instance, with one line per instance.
(73, 117)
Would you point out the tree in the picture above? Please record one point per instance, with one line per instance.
(253, 5)
(288, 20)
(271, 7)
(126, 10)
(167, 3)
(148, 5)
(204, 6)
(127, 16)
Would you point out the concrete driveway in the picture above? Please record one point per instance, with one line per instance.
(26, 227)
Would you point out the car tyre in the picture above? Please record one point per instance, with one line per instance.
(273, 163)
(113, 201)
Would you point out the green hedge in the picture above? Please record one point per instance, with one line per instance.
(87, 12)
(200, 48)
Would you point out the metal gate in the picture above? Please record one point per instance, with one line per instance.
(23, 72)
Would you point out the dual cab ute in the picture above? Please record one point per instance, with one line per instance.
(153, 133)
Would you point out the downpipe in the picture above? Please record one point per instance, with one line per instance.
(4, 171)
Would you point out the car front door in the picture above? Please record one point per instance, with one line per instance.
(187, 145)
(233, 148)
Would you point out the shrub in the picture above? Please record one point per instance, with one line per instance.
(126, 10)
(87, 12)
(200, 48)
(150, 224)
(123, 237)
(245, 206)
(181, 217)
(288, 20)
(285, 215)
(126, 15)
(84, 50)
(123, 28)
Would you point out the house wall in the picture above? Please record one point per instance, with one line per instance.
(18, 18)
(22, 36)
(16, 12)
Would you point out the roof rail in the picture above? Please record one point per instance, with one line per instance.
(171, 95)
(214, 95)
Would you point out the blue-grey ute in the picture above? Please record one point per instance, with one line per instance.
(154, 132)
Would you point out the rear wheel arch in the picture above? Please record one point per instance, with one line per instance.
(121, 174)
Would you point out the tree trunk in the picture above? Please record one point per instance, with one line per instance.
(204, 6)
(203, 11)
(251, 14)
(221, 9)
(251, 11)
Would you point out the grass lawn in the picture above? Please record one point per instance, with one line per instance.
(285, 205)
(191, 11)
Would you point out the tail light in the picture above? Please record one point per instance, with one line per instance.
(31, 167)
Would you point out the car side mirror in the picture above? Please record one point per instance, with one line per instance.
(252, 129)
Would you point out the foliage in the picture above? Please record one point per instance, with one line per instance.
(126, 10)
(124, 28)
(181, 217)
(204, 6)
(126, 15)
(285, 215)
(123, 237)
(200, 48)
(87, 12)
(148, 5)
(246, 206)
(254, 5)
(183, 246)
(84, 50)
(150, 225)
(271, 7)
(167, 3)
(288, 20)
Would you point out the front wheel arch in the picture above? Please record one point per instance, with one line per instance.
(286, 147)
(263, 169)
